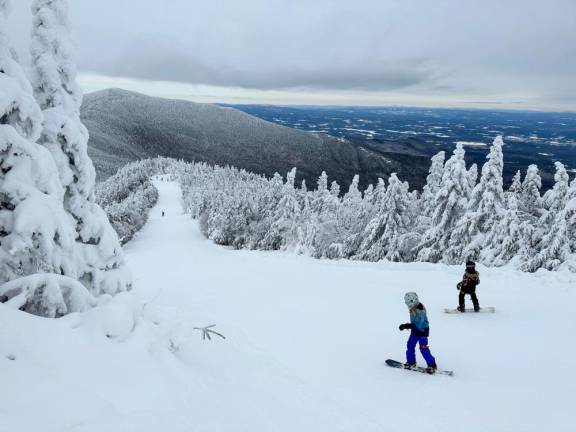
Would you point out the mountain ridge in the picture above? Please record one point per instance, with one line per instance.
(125, 126)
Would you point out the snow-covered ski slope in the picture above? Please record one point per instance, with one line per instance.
(305, 348)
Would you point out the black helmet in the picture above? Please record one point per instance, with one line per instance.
(470, 266)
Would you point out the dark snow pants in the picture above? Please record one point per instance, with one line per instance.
(424, 350)
(472, 293)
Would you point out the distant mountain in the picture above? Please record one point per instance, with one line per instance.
(125, 126)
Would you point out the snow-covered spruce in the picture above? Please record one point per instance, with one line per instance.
(451, 202)
(99, 259)
(456, 218)
(486, 207)
(36, 233)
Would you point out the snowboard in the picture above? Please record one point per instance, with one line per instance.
(400, 365)
(488, 309)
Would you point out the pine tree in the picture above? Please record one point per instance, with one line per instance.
(36, 234)
(570, 220)
(486, 207)
(551, 234)
(283, 230)
(349, 220)
(516, 185)
(100, 260)
(433, 184)
(451, 202)
(383, 236)
(530, 199)
(473, 176)
(507, 238)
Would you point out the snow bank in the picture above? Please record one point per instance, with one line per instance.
(47, 294)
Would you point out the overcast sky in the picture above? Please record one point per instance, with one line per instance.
(482, 53)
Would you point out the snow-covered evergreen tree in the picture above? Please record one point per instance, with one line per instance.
(508, 238)
(530, 199)
(551, 233)
(555, 199)
(433, 184)
(283, 232)
(451, 202)
(36, 234)
(516, 185)
(349, 220)
(473, 176)
(570, 221)
(100, 261)
(384, 237)
(486, 207)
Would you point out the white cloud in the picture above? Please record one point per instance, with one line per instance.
(515, 52)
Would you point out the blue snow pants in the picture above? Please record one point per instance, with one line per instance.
(411, 350)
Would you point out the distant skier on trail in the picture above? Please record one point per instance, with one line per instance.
(162, 212)
(470, 280)
(419, 332)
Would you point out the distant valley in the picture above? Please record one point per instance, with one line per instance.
(530, 137)
(343, 141)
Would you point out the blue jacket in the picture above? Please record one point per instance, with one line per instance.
(419, 325)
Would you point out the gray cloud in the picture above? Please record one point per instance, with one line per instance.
(467, 49)
(164, 63)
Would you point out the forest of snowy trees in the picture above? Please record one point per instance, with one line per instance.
(57, 249)
(460, 214)
(128, 195)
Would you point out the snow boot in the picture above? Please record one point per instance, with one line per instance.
(461, 309)
(431, 369)
(476, 308)
(409, 365)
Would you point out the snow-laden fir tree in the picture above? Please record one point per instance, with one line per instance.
(325, 206)
(569, 217)
(348, 224)
(508, 238)
(386, 235)
(321, 196)
(433, 183)
(283, 232)
(451, 202)
(486, 207)
(530, 199)
(99, 258)
(515, 190)
(473, 176)
(516, 185)
(555, 199)
(550, 237)
(36, 234)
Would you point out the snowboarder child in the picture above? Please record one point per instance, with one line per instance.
(468, 285)
(419, 331)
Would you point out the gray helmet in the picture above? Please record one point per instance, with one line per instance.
(411, 299)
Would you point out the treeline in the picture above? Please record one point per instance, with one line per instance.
(459, 214)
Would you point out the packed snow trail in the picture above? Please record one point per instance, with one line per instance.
(305, 348)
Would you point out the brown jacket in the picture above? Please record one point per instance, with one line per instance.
(469, 282)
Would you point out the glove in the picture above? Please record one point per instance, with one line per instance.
(404, 326)
(459, 286)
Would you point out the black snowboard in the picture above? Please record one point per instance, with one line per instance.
(400, 365)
